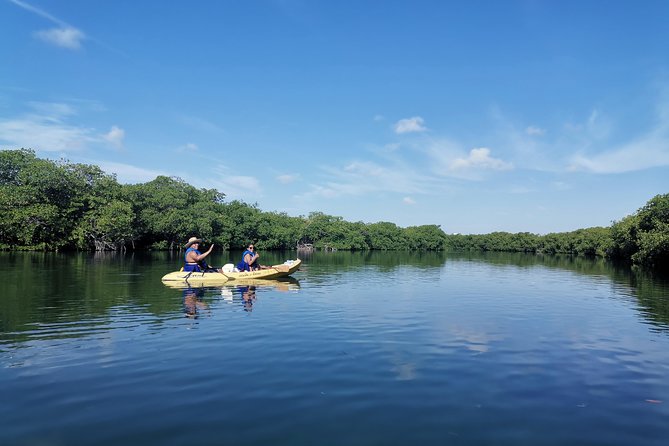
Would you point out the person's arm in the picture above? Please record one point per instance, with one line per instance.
(194, 258)
(249, 259)
(206, 253)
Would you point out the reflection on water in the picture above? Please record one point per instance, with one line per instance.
(194, 302)
(48, 289)
(244, 290)
(399, 347)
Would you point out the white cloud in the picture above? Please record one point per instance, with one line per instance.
(408, 200)
(480, 159)
(410, 125)
(199, 124)
(115, 137)
(532, 147)
(188, 147)
(65, 36)
(52, 110)
(365, 168)
(378, 118)
(47, 130)
(598, 125)
(242, 182)
(126, 173)
(535, 131)
(287, 178)
(366, 177)
(644, 152)
(519, 190)
(640, 155)
(235, 187)
(69, 38)
(43, 133)
(560, 185)
(39, 12)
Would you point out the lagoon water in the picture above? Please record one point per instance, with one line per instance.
(358, 349)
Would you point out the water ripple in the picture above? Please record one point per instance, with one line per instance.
(468, 351)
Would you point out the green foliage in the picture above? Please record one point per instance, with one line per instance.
(496, 241)
(168, 209)
(278, 231)
(107, 226)
(643, 237)
(588, 242)
(53, 205)
(44, 201)
(425, 238)
(385, 236)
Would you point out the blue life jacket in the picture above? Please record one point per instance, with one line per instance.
(243, 266)
(193, 267)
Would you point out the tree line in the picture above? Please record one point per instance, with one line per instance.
(641, 238)
(59, 205)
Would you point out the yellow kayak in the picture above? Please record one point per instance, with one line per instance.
(219, 278)
(285, 269)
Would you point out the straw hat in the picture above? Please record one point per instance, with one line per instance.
(191, 241)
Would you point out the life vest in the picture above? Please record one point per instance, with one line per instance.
(243, 266)
(194, 267)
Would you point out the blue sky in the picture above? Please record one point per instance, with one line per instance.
(479, 116)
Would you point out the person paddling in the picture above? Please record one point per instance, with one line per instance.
(193, 258)
(250, 260)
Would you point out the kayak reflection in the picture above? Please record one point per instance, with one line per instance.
(247, 289)
(239, 291)
(281, 284)
(193, 302)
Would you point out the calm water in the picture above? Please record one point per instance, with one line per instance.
(359, 349)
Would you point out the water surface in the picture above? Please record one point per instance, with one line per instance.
(359, 348)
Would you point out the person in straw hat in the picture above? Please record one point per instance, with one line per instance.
(193, 258)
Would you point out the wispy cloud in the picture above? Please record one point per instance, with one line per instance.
(69, 38)
(560, 185)
(287, 178)
(126, 173)
(39, 12)
(64, 36)
(643, 152)
(42, 133)
(52, 110)
(584, 145)
(240, 187)
(535, 131)
(243, 182)
(199, 124)
(235, 187)
(410, 125)
(359, 178)
(47, 128)
(188, 147)
(427, 165)
(408, 200)
(587, 145)
(597, 127)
